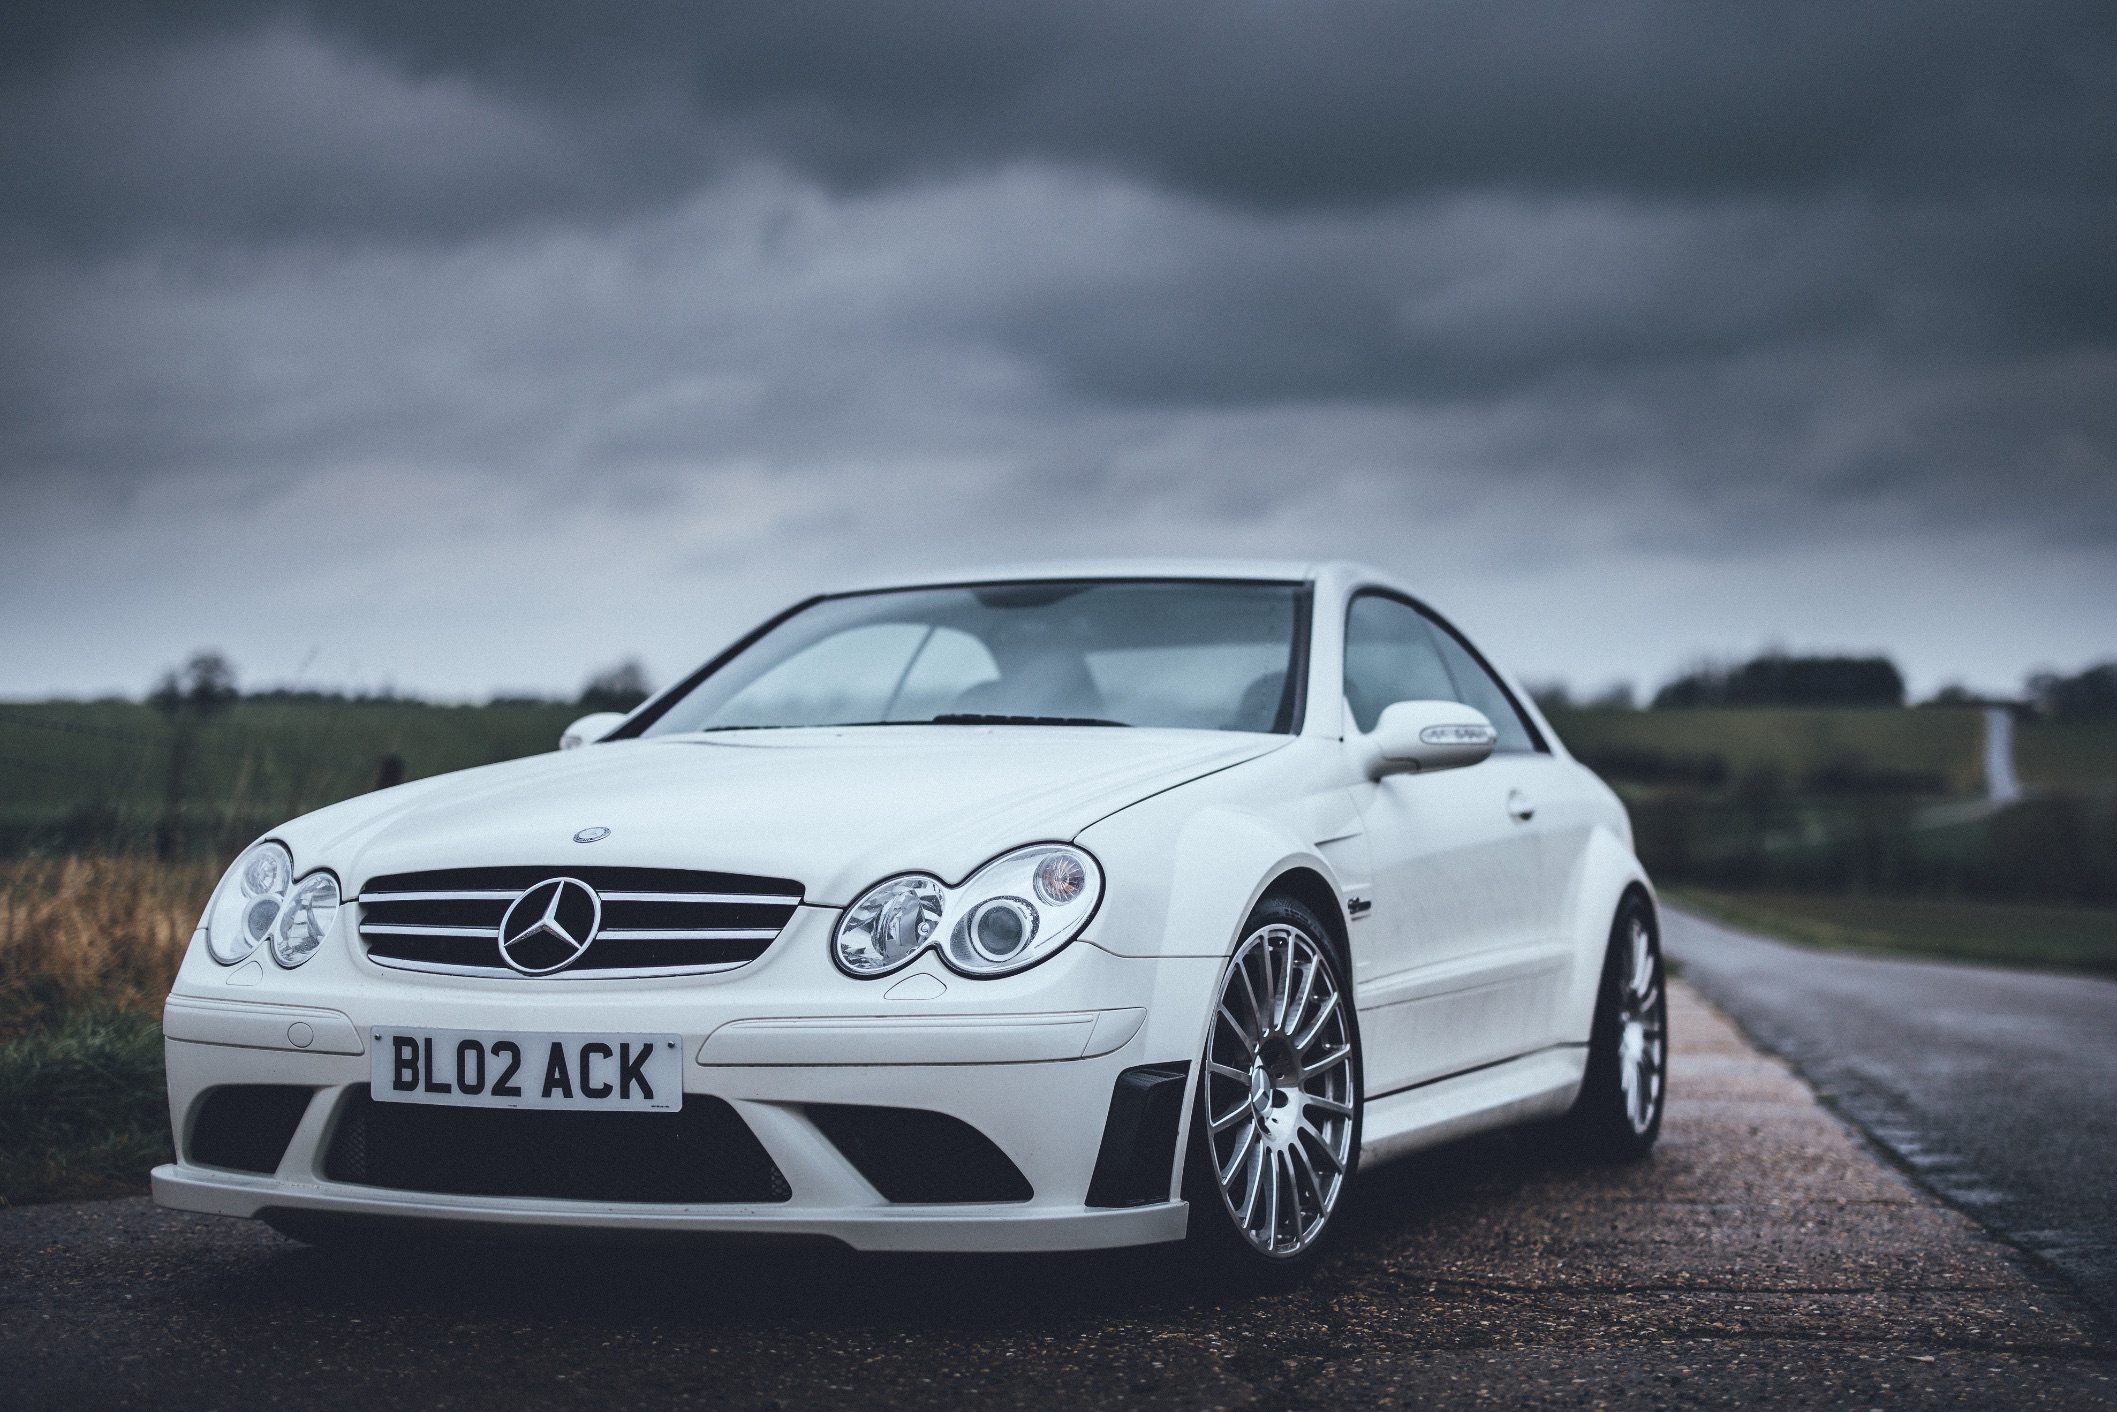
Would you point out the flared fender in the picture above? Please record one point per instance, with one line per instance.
(1605, 869)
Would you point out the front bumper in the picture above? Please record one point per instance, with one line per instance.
(1037, 1082)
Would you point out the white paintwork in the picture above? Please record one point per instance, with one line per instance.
(1477, 901)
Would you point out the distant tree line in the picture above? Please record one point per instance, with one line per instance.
(1778, 679)
(206, 684)
(2091, 694)
(1784, 679)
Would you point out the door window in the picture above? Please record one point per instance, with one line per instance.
(1390, 656)
(1474, 686)
(1393, 653)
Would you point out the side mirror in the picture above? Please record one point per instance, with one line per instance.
(1429, 735)
(594, 726)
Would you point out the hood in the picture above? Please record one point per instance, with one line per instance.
(834, 809)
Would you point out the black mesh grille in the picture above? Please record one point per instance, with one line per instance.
(913, 1155)
(247, 1127)
(704, 1154)
(653, 919)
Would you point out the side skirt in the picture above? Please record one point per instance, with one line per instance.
(1539, 1085)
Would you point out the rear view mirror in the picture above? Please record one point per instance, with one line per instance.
(1429, 735)
(589, 729)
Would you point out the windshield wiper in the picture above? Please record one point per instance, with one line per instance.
(967, 718)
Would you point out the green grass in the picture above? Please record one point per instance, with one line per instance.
(1948, 743)
(95, 774)
(2074, 755)
(2006, 934)
(83, 1110)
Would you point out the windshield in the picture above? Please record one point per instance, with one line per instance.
(1198, 656)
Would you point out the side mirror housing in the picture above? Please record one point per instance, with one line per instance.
(590, 729)
(1424, 736)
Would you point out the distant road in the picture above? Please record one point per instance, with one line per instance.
(1999, 1088)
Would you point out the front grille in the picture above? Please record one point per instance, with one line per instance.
(656, 921)
(704, 1154)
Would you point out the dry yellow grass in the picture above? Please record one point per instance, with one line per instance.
(82, 934)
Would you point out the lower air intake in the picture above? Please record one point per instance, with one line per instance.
(246, 1127)
(703, 1155)
(918, 1157)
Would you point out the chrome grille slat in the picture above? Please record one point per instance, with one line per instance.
(688, 933)
(485, 896)
(741, 899)
(417, 929)
(447, 922)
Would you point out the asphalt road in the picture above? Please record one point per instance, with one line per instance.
(1762, 1257)
(1998, 1088)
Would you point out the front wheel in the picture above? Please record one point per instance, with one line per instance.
(1276, 1131)
(1618, 1114)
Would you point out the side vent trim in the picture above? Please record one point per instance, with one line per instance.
(1137, 1163)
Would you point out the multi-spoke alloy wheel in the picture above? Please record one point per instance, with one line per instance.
(1618, 1113)
(1642, 1028)
(1281, 1089)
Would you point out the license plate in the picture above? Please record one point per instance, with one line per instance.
(603, 1073)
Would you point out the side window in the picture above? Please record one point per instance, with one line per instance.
(1390, 656)
(1474, 686)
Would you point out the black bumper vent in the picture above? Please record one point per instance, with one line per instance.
(246, 1127)
(1138, 1155)
(655, 921)
(915, 1156)
(703, 1155)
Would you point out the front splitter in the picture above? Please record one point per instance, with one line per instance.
(964, 1229)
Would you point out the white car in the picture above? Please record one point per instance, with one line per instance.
(1079, 907)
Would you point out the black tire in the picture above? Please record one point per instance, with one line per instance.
(1295, 1109)
(1617, 1116)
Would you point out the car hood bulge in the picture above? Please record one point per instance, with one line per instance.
(832, 809)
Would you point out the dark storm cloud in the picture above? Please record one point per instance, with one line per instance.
(1269, 103)
(1763, 270)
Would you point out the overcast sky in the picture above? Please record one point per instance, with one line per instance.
(470, 347)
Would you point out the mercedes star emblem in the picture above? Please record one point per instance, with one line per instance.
(548, 927)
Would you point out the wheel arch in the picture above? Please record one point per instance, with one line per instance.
(1312, 890)
(1604, 878)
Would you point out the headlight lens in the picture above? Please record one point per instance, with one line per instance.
(247, 903)
(1010, 914)
(890, 924)
(306, 920)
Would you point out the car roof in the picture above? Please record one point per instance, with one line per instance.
(1260, 570)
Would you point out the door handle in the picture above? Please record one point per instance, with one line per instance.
(1519, 808)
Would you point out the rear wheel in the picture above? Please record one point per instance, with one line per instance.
(1276, 1131)
(1618, 1114)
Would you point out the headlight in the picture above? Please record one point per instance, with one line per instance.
(252, 906)
(247, 903)
(891, 924)
(306, 920)
(1006, 917)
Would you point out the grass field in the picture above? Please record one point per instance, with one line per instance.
(87, 951)
(1794, 743)
(77, 775)
(2059, 938)
(2080, 755)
